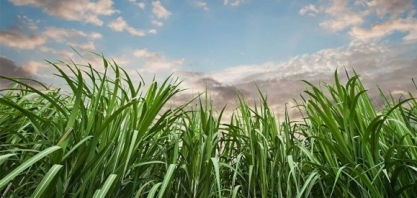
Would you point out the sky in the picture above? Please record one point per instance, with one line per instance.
(226, 46)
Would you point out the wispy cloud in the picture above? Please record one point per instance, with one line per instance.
(390, 7)
(235, 3)
(157, 23)
(120, 25)
(395, 16)
(73, 10)
(85, 47)
(202, 4)
(27, 22)
(312, 9)
(141, 5)
(60, 53)
(159, 11)
(61, 34)
(381, 30)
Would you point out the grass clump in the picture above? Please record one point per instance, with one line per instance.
(110, 137)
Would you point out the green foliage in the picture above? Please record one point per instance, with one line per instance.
(111, 137)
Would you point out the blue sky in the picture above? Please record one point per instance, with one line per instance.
(225, 45)
(222, 36)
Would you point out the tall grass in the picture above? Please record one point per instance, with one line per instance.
(110, 137)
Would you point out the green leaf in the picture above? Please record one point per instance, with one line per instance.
(167, 180)
(27, 164)
(102, 193)
(46, 181)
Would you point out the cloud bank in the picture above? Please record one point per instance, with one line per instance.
(390, 66)
(74, 10)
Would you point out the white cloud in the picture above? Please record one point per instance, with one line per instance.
(389, 7)
(309, 8)
(27, 22)
(120, 25)
(121, 61)
(96, 35)
(235, 3)
(32, 67)
(157, 63)
(202, 4)
(72, 37)
(342, 16)
(342, 22)
(73, 10)
(381, 30)
(61, 53)
(339, 15)
(60, 34)
(144, 53)
(87, 46)
(141, 5)
(135, 32)
(157, 23)
(20, 40)
(159, 11)
(152, 31)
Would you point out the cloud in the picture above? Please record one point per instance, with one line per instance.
(381, 30)
(341, 16)
(142, 53)
(309, 8)
(73, 10)
(61, 53)
(141, 5)
(235, 3)
(155, 62)
(27, 22)
(87, 46)
(61, 34)
(159, 11)
(9, 69)
(81, 41)
(26, 35)
(391, 66)
(390, 7)
(32, 67)
(19, 40)
(152, 31)
(95, 35)
(202, 4)
(120, 25)
(157, 23)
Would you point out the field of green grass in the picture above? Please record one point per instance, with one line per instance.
(109, 137)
